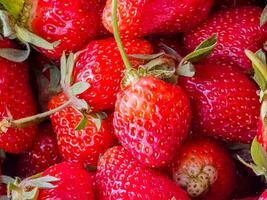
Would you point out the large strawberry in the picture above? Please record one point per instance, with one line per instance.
(83, 146)
(16, 101)
(73, 23)
(101, 66)
(151, 119)
(224, 101)
(120, 176)
(139, 18)
(237, 28)
(42, 155)
(205, 169)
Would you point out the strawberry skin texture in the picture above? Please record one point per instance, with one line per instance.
(42, 155)
(83, 146)
(16, 96)
(238, 29)
(73, 22)
(101, 65)
(198, 153)
(75, 183)
(224, 101)
(151, 119)
(144, 17)
(263, 196)
(119, 176)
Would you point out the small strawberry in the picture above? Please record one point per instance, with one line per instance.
(16, 101)
(140, 18)
(66, 181)
(101, 66)
(263, 195)
(204, 169)
(73, 23)
(119, 176)
(83, 146)
(224, 101)
(151, 120)
(237, 28)
(42, 155)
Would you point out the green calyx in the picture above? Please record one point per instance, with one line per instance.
(263, 18)
(14, 7)
(259, 158)
(28, 188)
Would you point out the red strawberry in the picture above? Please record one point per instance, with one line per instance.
(83, 146)
(263, 195)
(100, 65)
(16, 100)
(119, 176)
(226, 4)
(74, 183)
(151, 119)
(102, 31)
(224, 101)
(238, 29)
(205, 169)
(140, 18)
(43, 154)
(73, 22)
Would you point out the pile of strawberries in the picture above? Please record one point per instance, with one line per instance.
(133, 100)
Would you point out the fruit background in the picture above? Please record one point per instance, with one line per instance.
(133, 100)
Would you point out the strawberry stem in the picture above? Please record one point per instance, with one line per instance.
(117, 36)
(14, 7)
(21, 123)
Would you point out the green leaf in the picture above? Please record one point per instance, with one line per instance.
(263, 18)
(28, 37)
(259, 171)
(258, 154)
(30, 194)
(7, 25)
(187, 70)
(82, 124)
(79, 88)
(63, 69)
(146, 57)
(42, 182)
(260, 69)
(261, 55)
(202, 50)
(15, 55)
(54, 84)
(6, 179)
(97, 118)
(13, 6)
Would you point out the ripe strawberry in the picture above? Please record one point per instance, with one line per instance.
(119, 176)
(102, 31)
(151, 119)
(237, 28)
(224, 101)
(73, 22)
(100, 65)
(263, 195)
(42, 155)
(140, 18)
(205, 169)
(83, 146)
(16, 100)
(74, 183)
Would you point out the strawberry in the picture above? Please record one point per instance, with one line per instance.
(204, 169)
(54, 26)
(120, 176)
(263, 195)
(42, 155)
(16, 101)
(83, 146)
(224, 101)
(140, 18)
(151, 119)
(74, 183)
(102, 31)
(101, 66)
(237, 28)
